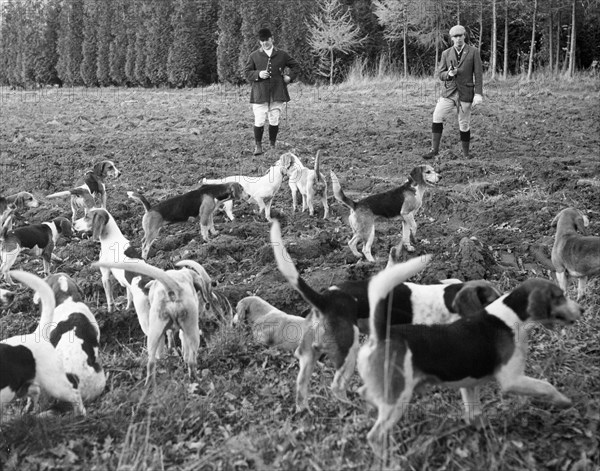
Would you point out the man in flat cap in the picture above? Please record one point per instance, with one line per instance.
(266, 71)
(462, 73)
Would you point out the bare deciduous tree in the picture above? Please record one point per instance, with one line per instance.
(532, 47)
(333, 30)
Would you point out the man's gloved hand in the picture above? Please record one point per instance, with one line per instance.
(452, 72)
(477, 100)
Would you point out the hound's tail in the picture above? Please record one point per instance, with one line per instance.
(382, 284)
(318, 167)
(339, 194)
(60, 194)
(141, 198)
(141, 267)
(46, 296)
(288, 270)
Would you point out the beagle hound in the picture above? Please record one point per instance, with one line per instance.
(172, 297)
(8, 204)
(114, 247)
(331, 325)
(20, 200)
(91, 187)
(574, 254)
(41, 238)
(261, 190)
(310, 183)
(72, 330)
(402, 201)
(269, 325)
(30, 364)
(394, 366)
(196, 203)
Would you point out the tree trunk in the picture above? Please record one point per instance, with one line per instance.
(558, 42)
(550, 38)
(404, 49)
(458, 12)
(494, 51)
(572, 47)
(532, 47)
(331, 68)
(505, 70)
(481, 24)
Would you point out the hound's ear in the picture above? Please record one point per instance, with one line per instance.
(538, 304)
(240, 311)
(99, 221)
(581, 222)
(201, 287)
(468, 301)
(99, 168)
(20, 200)
(416, 175)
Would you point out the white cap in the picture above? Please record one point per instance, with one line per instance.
(457, 29)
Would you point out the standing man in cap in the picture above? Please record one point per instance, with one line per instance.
(462, 73)
(265, 71)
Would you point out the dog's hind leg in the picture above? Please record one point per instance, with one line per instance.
(156, 332)
(325, 207)
(308, 358)
(190, 343)
(345, 372)
(581, 283)
(387, 416)
(369, 243)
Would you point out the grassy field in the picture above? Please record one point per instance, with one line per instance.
(535, 151)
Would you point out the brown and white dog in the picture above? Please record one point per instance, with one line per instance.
(41, 238)
(200, 203)
(30, 364)
(92, 186)
(114, 247)
(402, 201)
(573, 254)
(172, 297)
(261, 190)
(73, 331)
(310, 183)
(394, 366)
(269, 325)
(331, 324)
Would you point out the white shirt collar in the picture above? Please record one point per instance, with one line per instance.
(269, 51)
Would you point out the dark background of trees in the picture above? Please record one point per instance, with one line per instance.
(187, 43)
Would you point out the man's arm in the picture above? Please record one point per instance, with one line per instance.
(294, 67)
(443, 68)
(250, 71)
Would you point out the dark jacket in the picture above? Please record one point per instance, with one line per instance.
(469, 78)
(273, 88)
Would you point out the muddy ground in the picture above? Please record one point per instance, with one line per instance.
(534, 152)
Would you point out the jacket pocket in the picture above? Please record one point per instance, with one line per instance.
(470, 84)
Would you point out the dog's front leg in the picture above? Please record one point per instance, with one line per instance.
(228, 207)
(472, 405)
(156, 332)
(268, 209)
(406, 233)
(190, 342)
(581, 283)
(325, 207)
(107, 290)
(527, 386)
